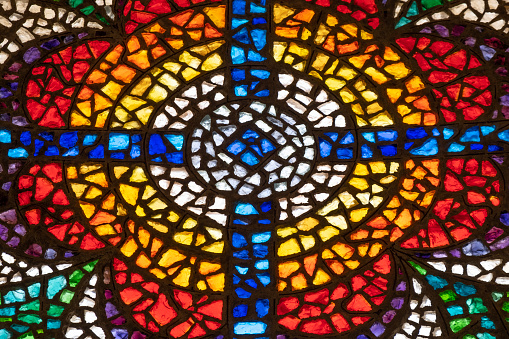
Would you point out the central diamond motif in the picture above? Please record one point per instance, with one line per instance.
(253, 149)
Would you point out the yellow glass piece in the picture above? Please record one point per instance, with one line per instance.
(289, 247)
(148, 192)
(299, 282)
(359, 183)
(347, 73)
(300, 51)
(119, 170)
(200, 239)
(190, 60)
(143, 236)
(215, 233)
(375, 249)
(347, 95)
(172, 67)
(335, 84)
(321, 277)
(415, 84)
(208, 48)
(212, 62)
(98, 178)
(157, 204)
(182, 279)
(359, 60)
(201, 285)
(409, 195)
(109, 202)
(388, 179)
(377, 76)
(105, 229)
(129, 247)
(140, 59)
(101, 119)
(85, 107)
(112, 89)
(404, 219)
(404, 110)
(140, 89)
(140, 211)
(157, 94)
(286, 231)
(321, 34)
(413, 119)
(327, 254)
(184, 238)
(158, 273)
(286, 269)
(398, 70)
(278, 50)
(307, 241)
(306, 33)
(390, 55)
(173, 217)
(169, 81)
(132, 103)
(352, 264)
(358, 215)
(307, 224)
(129, 193)
(216, 14)
(216, 282)
(361, 169)
(78, 189)
(189, 224)
(383, 119)
(369, 95)
(320, 61)
(143, 260)
(328, 232)
(207, 267)
(93, 192)
(79, 120)
(189, 73)
(170, 257)
(331, 206)
(115, 54)
(138, 175)
(365, 35)
(281, 12)
(394, 94)
(342, 37)
(338, 221)
(72, 173)
(216, 247)
(331, 20)
(343, 250)
(362, 249)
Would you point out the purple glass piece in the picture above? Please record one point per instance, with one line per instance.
(31, 55)
(493, 234)
(9, 217)
(397, 303)
(110, 310)
(388, 316)
(34, 250)
(20, 229)
(377, 329)
(401, 286)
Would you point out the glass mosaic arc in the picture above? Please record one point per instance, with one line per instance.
(254, 169)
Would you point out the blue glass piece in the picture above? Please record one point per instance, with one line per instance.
(471, 135)
(175, 157)
(249, 158)
(455, 310)
(409, 144)
(388, 150)
(366, 152)
(264, 221)
(55, 285)
(72, 152)
(259, 37)
(448, 133)
(7, 311)
(51, 151)
(158, 159)
(119, 333)
(118, 141)
(267, 146)
(251, 135)
(69, 139)
(6, 334)
(249, 327)
(17, 153)
(413, 10)
(238, 240)
(494, 148)
(255, 56)
(436, 282)
(485, 130)
(136, 138)
(260, 74)
(238, 74)
(333, 136)
(34, 290)
(19, 328)
(475, 248)
(476, 147)
(25, 138)
(238, 22)
(244, 254)
(325, 147)
(5, 136)
(416, 133)
(487, 52)
(242, 293)
(242, 270)
(89, 139)
(156, 145)
(487, 323)
(241, 91)
(256, 9)
(260, 238)
(262, 264)
(238, 55)
(240, 222)
(236, 280)
(347, 139)
(263, 93)
(253, 85)
(239, 7)
(256, 149)
(402, 22)
(242, 36)
(266, 206)
(387, 135)
(264, 278)
(259, 21)
(455, 147)
(38, 144)
(240, 311)
(344, 153)
(53, 324)
(464, 290)
(47, 135)
(177, 140)
(260, 251)
(236, 147)
(369, 136)
(14, 296)
(429, 147)
(262, 307)
(135, 151)
(97, 153)
(251, 283)
(245, 209)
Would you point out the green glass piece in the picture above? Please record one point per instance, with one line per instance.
(469, 336)
(419, 268)
(496, 296)
(66, 296)
(448, 295)
(40, 331)
(75, 3)
(4, 320)
(459, 324)
(55, 311)
(505, 306)
(90, 266)
(475, 305)
(29, 318)
(103, 19)
(75, 278)
(427, 4)
(28, 335)
(87, 10)
(33, 306)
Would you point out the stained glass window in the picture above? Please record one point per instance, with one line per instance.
(254, 169)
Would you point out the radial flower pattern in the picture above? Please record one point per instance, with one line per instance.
(254, 169)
